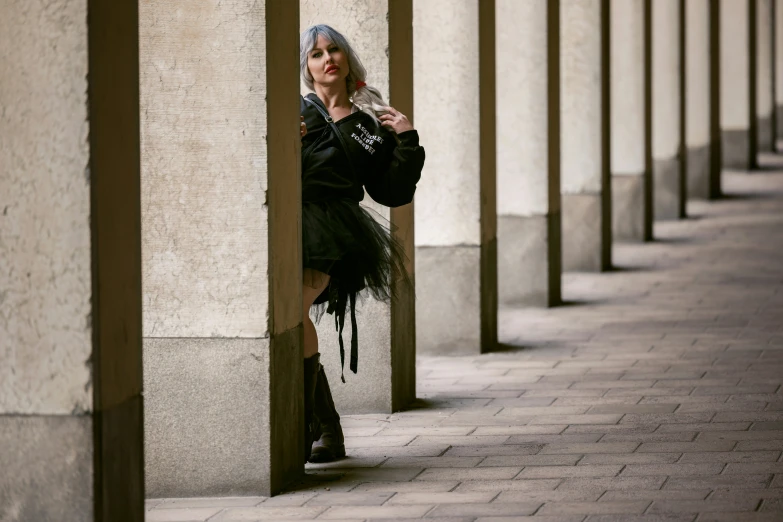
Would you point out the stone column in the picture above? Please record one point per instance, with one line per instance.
(221, 244)
(70, 327)
(381, 33)
(456, 247)
(528, 153)
(698, 96)
(778, 67)
(765, 70)
(667, 140)
(585, 120)
(631, 145)
(716, 132)
(738, 83)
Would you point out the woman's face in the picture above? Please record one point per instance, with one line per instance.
(327, 63)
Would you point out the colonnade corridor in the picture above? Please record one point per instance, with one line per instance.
(654, 394)
(593, 333)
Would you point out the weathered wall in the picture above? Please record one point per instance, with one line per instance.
(205, 225)
(667, 139)
(698, 98)
(697, 37)
(222, 283)
(528, 166)
(70, 280)
(456, 257)
(581, 97)
(584, 132)
(45, 329)
(735, 84)
(628, 79)
(779, 65)
(632, 196)
(45, 274)
(765, 95)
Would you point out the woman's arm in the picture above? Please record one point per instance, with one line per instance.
(394, 183)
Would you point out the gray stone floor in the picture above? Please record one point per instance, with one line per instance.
(655, 394)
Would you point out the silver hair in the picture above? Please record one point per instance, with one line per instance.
(367, 99)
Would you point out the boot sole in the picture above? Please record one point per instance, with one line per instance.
(326, 455)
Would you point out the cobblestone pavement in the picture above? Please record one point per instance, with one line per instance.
(655, 395)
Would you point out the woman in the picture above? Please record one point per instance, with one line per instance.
(351, 141)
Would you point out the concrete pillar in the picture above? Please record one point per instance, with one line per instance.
(738, 83)
(528, 155)
(631, 145)
(386, 380)
(456, 246)
(716, 130)
(765, 88)
(778, 67)
(669, 180)
(70, 327)
(699, 95)
(585, 120)
(222, 255)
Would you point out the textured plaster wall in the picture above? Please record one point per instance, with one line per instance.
(522, 125)
(204, 160)
(764, 101)
(627, 66)
(734, 106)
(208, 401)
(446, 97)
(365, 25)
(779, 52)
(666, 78)
(581, 106)
(45, 274)
(697, 76)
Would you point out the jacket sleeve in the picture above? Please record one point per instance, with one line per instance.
(395, 183)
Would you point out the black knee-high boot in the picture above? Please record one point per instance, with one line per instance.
(311, 367)
(331, 443)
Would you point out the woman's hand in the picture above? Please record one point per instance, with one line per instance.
(396, 121)
(302, 127)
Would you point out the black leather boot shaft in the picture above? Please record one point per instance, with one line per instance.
(331, 443)
(311, 367)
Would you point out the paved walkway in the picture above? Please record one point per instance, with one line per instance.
(654, 395)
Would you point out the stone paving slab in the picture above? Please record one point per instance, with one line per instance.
(655, 395)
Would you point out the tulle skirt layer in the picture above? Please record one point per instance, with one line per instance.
(355, 248)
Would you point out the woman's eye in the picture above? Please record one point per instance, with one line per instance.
(316, 55)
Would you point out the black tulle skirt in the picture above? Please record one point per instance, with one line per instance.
(343, 239)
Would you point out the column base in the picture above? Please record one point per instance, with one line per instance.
(47, 472)
(207, 418)
(628, 208)
(667, 189)
(765, 134)
(736, 149)
(698, 172)
(448, 300)
(526, 248)
(779, 121)
(582, 233)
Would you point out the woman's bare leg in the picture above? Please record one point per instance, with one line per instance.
(315, 283)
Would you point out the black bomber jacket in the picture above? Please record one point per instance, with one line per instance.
(386, 168)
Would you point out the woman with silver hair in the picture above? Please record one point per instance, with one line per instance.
(352, 141)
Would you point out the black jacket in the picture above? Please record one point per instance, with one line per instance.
(388, 170)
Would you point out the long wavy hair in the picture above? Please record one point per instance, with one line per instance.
(367, 99)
